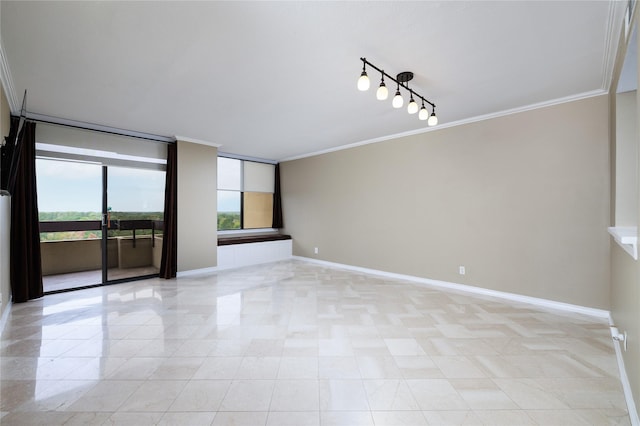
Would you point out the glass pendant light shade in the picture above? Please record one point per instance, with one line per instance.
(423, 114)
(412, 108)
(397, 100)
(363, 82)
(383, 92)
(433, 120)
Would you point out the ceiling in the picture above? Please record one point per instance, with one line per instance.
(277, 80)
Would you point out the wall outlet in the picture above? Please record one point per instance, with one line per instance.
(462, 270)
(315, 250)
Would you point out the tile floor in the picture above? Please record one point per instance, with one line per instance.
(295, 343)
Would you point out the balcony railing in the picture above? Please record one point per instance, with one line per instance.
(123, 251)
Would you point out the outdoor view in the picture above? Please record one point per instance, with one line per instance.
(72, 191)
(73, 251)
(229, 187)
(245, 194)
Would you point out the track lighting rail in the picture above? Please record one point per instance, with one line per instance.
(402, 79)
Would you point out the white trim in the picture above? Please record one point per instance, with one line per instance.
(612, 37)
(5, 314)
(192, 272)
(490, 116)
(246, 158)
(627, 238)
(624, 380)
(543, 303)
(198, 141)
(7, 82)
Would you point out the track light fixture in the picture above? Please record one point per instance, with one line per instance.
(397, 99)
(382, 93)
(363, 81)
(423, 114)
(401, 79)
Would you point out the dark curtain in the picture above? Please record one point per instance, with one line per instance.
(277, 201)
(169, 261)
(26, 266)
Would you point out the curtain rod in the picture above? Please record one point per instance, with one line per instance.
(42, 118)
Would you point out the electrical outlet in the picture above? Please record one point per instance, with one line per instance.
(315, 250)
(462, 270)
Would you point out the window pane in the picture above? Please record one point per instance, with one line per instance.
(136, 193)
(69, 191)
(228, 210)
(258, 177)
(229, 174)
(258, 210)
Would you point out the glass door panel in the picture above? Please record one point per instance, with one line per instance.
(69, 204)
(133, 222)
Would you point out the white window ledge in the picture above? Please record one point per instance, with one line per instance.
(627, 238)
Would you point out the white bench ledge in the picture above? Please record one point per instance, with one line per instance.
(627, 238)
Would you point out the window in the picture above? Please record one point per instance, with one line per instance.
(245, 194)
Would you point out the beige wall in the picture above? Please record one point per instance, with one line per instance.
(625, 271)
(626, 197)
(197, 206)
(5, 214)
(522, 201)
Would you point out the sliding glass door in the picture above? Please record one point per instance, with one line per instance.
(99, 224)
(133, 219)
(69, 203)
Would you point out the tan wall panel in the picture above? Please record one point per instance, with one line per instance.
(521, 201)
(197, 206)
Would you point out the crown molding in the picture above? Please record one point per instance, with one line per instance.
(615, 22)
(7, 82)
(484, 117)
(198, 141)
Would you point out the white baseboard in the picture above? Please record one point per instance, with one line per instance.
(5, 315)
(193, 272)
(624, 380)
(543, 303)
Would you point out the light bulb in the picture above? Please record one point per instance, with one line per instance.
(383, 92)
(423, 114)
(412, 108)
(363, 82)
(433, 120)
(397, 100)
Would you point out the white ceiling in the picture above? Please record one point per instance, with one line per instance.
(277, 80)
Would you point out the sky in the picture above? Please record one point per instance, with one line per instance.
(74, 186)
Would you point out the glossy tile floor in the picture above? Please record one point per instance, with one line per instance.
(295, 343)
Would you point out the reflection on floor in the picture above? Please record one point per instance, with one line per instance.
(86, 278)
(294, 343)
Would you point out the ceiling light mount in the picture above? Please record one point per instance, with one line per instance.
(405, 76)
(402, 79)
